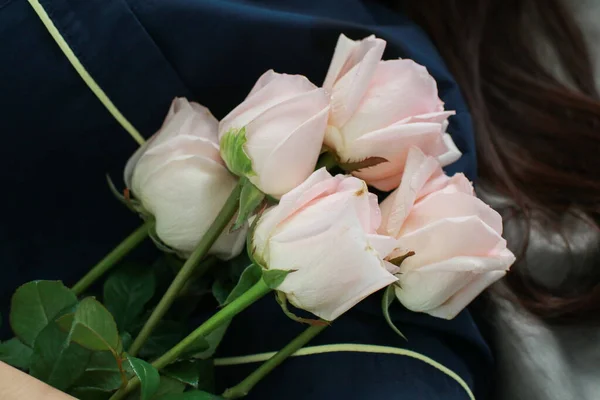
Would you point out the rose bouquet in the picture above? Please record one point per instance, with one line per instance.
(285, 175)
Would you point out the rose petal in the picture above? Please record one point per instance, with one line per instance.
(282, 163)
(449, 238)
(466, 295)
(270, 90)
(440, 205)
(418, 171)
(185, 196)
(330, 279)
(354, 76)
(397, 90)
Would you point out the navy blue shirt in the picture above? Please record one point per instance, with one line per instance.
(58, 142)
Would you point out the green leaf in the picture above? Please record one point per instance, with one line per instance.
(148, 376)
(166, 335)
(250, 199)
(388, 298)
(35, 304)
(358, 165)
(56, 360)
(103, 374)
(15, 353)
(193, 395)
(126, 339)
(213, 340)
(233, 153)
(92, 326)
(168, 386)
(275, 277)
(250, 276)
(196, 373)
(126, 292)
(89, 393)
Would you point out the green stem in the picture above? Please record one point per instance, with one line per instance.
(225, 314)
(326, 160)
(130, 242)
(244, 387)
(210, 237)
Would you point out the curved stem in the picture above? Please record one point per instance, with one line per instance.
(210, 237)
(130, 242)
(225, 314)
(244, 387)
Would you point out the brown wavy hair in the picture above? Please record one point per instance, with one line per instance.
(538, 138)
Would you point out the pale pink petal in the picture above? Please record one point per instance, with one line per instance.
(285, 142)
(434, 285)
(185, 196)
(420, 292)
(459, 183)
(398, 89)
(449, 238)
(466, 295)
(440, 117)
(452, 154)
(353, 78)
(440, 205)
(393, 144)
(375, 215)
(318, 183)
(383, 245)
(178, 148)
(186, 118)
(277, 89)
(328, 279)
(419, 168)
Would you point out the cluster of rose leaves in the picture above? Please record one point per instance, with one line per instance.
(431, 242)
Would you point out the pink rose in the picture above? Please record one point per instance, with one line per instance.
(285, 117)
(381, 109)
(456, 239)
(325, 230)
(180, 178)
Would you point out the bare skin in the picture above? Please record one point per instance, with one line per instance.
(16, 385)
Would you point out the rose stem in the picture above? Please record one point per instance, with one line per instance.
(216, 228)
(244, 387)
(225, 314)
(130, 242)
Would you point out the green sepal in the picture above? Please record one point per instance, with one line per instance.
(251, 199)
(362, 164)
(388, 298)
(125, 198)
(275, 277)
(249, 277)
(282, 301)
(233, 153)
(398, 260)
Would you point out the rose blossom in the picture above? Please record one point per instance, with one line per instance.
(325, 231)
(456, 239)
(284, 117)
(180, 178)
(381, 109)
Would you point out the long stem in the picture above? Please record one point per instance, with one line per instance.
(244, 387)
(210, 237)
(225, 314)
(130, 242)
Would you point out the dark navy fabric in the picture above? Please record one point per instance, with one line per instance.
(58, 217)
